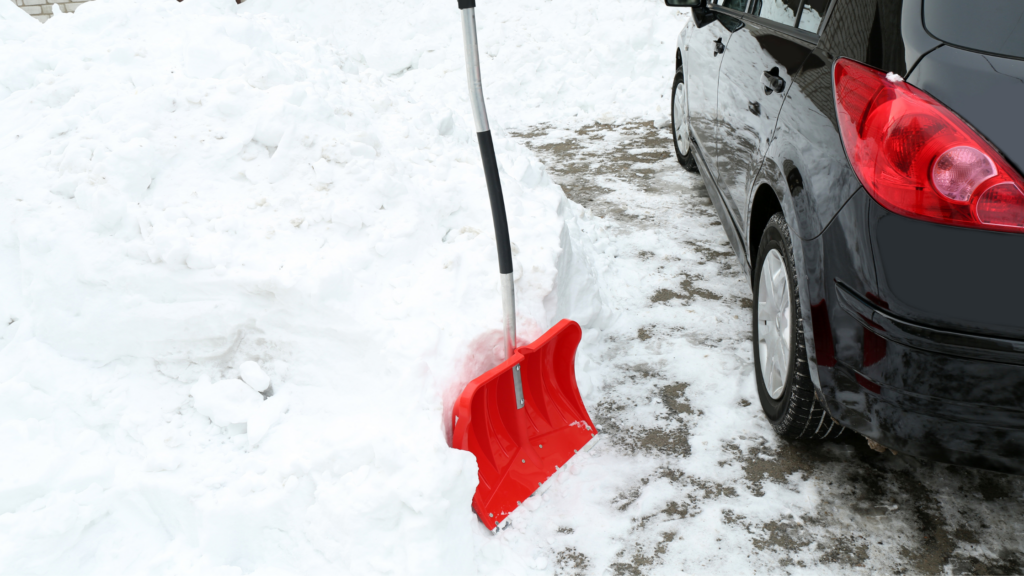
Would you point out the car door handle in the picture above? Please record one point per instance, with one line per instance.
(771, 81)
(719, 47)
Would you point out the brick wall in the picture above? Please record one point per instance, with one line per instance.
(42, 9)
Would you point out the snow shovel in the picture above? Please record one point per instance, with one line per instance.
(524, 419)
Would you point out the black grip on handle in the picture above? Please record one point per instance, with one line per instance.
(497, 202)
(463, 4)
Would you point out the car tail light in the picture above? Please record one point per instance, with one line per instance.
(919, 159)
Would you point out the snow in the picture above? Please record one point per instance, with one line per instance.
(226, 402)
(779, 11)
(254, 376)
(810, 19)
(15, 24)
(202, 201)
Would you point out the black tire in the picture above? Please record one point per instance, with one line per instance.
(687, 161)
(798, 413)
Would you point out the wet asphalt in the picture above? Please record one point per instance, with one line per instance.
(876, 512)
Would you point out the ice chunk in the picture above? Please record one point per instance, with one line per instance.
(225, 402)
(264, 416)
(893, 77)
(446, 125)
(254, 376)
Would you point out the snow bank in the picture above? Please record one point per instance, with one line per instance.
(15, 24)
(190, 188)
(541, 60)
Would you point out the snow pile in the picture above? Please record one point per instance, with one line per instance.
(15, 24)
(541, 61)
(245, 259)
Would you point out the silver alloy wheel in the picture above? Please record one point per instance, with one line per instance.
(774, 322)
(682, 128)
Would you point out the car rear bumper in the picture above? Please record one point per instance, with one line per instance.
(917, 375)
(959, 433)
(933, 393)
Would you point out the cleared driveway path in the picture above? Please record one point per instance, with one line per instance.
(689, 476)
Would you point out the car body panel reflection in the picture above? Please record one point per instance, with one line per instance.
(702, 87)
(744, 135)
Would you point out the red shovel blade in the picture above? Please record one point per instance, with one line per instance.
(518, 449)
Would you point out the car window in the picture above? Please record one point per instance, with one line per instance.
(740, 5)
(810, 17)
(730, 23)
(781, 11)
(994, 26)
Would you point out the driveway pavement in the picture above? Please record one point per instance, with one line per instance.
(702, 484)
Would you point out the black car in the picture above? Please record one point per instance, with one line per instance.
(865, 159)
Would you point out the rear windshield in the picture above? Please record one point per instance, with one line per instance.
(994, 26)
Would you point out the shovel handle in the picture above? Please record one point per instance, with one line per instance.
(483, 136)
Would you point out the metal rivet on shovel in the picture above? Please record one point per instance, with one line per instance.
(491, 415)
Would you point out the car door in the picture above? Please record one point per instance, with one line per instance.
(705, 51)
(753, 81)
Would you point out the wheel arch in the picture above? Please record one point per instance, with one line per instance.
(765, 204)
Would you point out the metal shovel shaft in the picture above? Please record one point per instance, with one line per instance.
(476, 88)
(483, 135)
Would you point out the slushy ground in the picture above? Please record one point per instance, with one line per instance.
(693, 479)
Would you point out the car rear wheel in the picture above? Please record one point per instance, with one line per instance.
(780, 359)
(681, 124)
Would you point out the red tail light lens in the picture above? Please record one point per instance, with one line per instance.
(1001, 205)
(919, 159)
